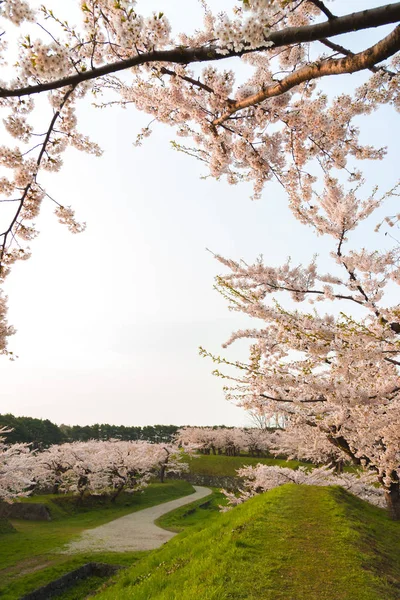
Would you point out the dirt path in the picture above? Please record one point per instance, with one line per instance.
(136, 531)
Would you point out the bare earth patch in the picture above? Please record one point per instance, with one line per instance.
(136, 531)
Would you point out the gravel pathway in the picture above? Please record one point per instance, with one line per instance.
(136, 531)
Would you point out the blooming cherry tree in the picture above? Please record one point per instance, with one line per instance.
(16, 468)
(333, 373)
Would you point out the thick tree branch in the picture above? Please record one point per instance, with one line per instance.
(392, 361)
(356, 62)
(288, 400)
(347, 52)
(365, 19)
(341, 443)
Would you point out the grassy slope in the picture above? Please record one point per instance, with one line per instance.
(29, 559)
(199, 513)
(203, 464)
(293, 543)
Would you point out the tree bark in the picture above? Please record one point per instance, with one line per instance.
(117, 492)
(162, 473)
(392, 497)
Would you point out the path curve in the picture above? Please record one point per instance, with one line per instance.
(136, 531)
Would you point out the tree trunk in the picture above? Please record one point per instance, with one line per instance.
(392, 496)
(117, 492)
(56, 487)
(162, 473)
(337, 465)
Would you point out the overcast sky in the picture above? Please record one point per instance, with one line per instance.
(109, 321)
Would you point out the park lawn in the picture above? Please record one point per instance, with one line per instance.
(29, 557)
(292, 543)
(210, 464)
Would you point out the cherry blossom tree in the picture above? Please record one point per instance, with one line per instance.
(169, 459)
(333, 373)
(202, 439)
(70, 467)
(120, 466)
(16, 462)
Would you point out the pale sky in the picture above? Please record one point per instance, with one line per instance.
(109, 321)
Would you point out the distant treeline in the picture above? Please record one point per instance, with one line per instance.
(43, 433)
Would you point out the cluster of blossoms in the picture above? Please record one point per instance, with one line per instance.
(93, 467)
(43, 59)
(262, 478)
(249, 27)
(66, 216)
(17, 11)
(229, 441)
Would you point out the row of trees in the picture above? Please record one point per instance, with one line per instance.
(93, 467)
(334, 370)
(42, 433)
(231, 441)
(291, 441)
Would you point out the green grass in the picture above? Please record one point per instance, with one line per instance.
(292, 543)
(29, 557)
(204, 464)
(199, 513)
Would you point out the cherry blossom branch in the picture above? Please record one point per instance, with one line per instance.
(282, 288)
(352, 276)
(44, 145)
(365, 19)
(385, 48)
(195, 82)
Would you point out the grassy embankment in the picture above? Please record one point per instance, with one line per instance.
(29, 559)
(28, 556)
(292, 543)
